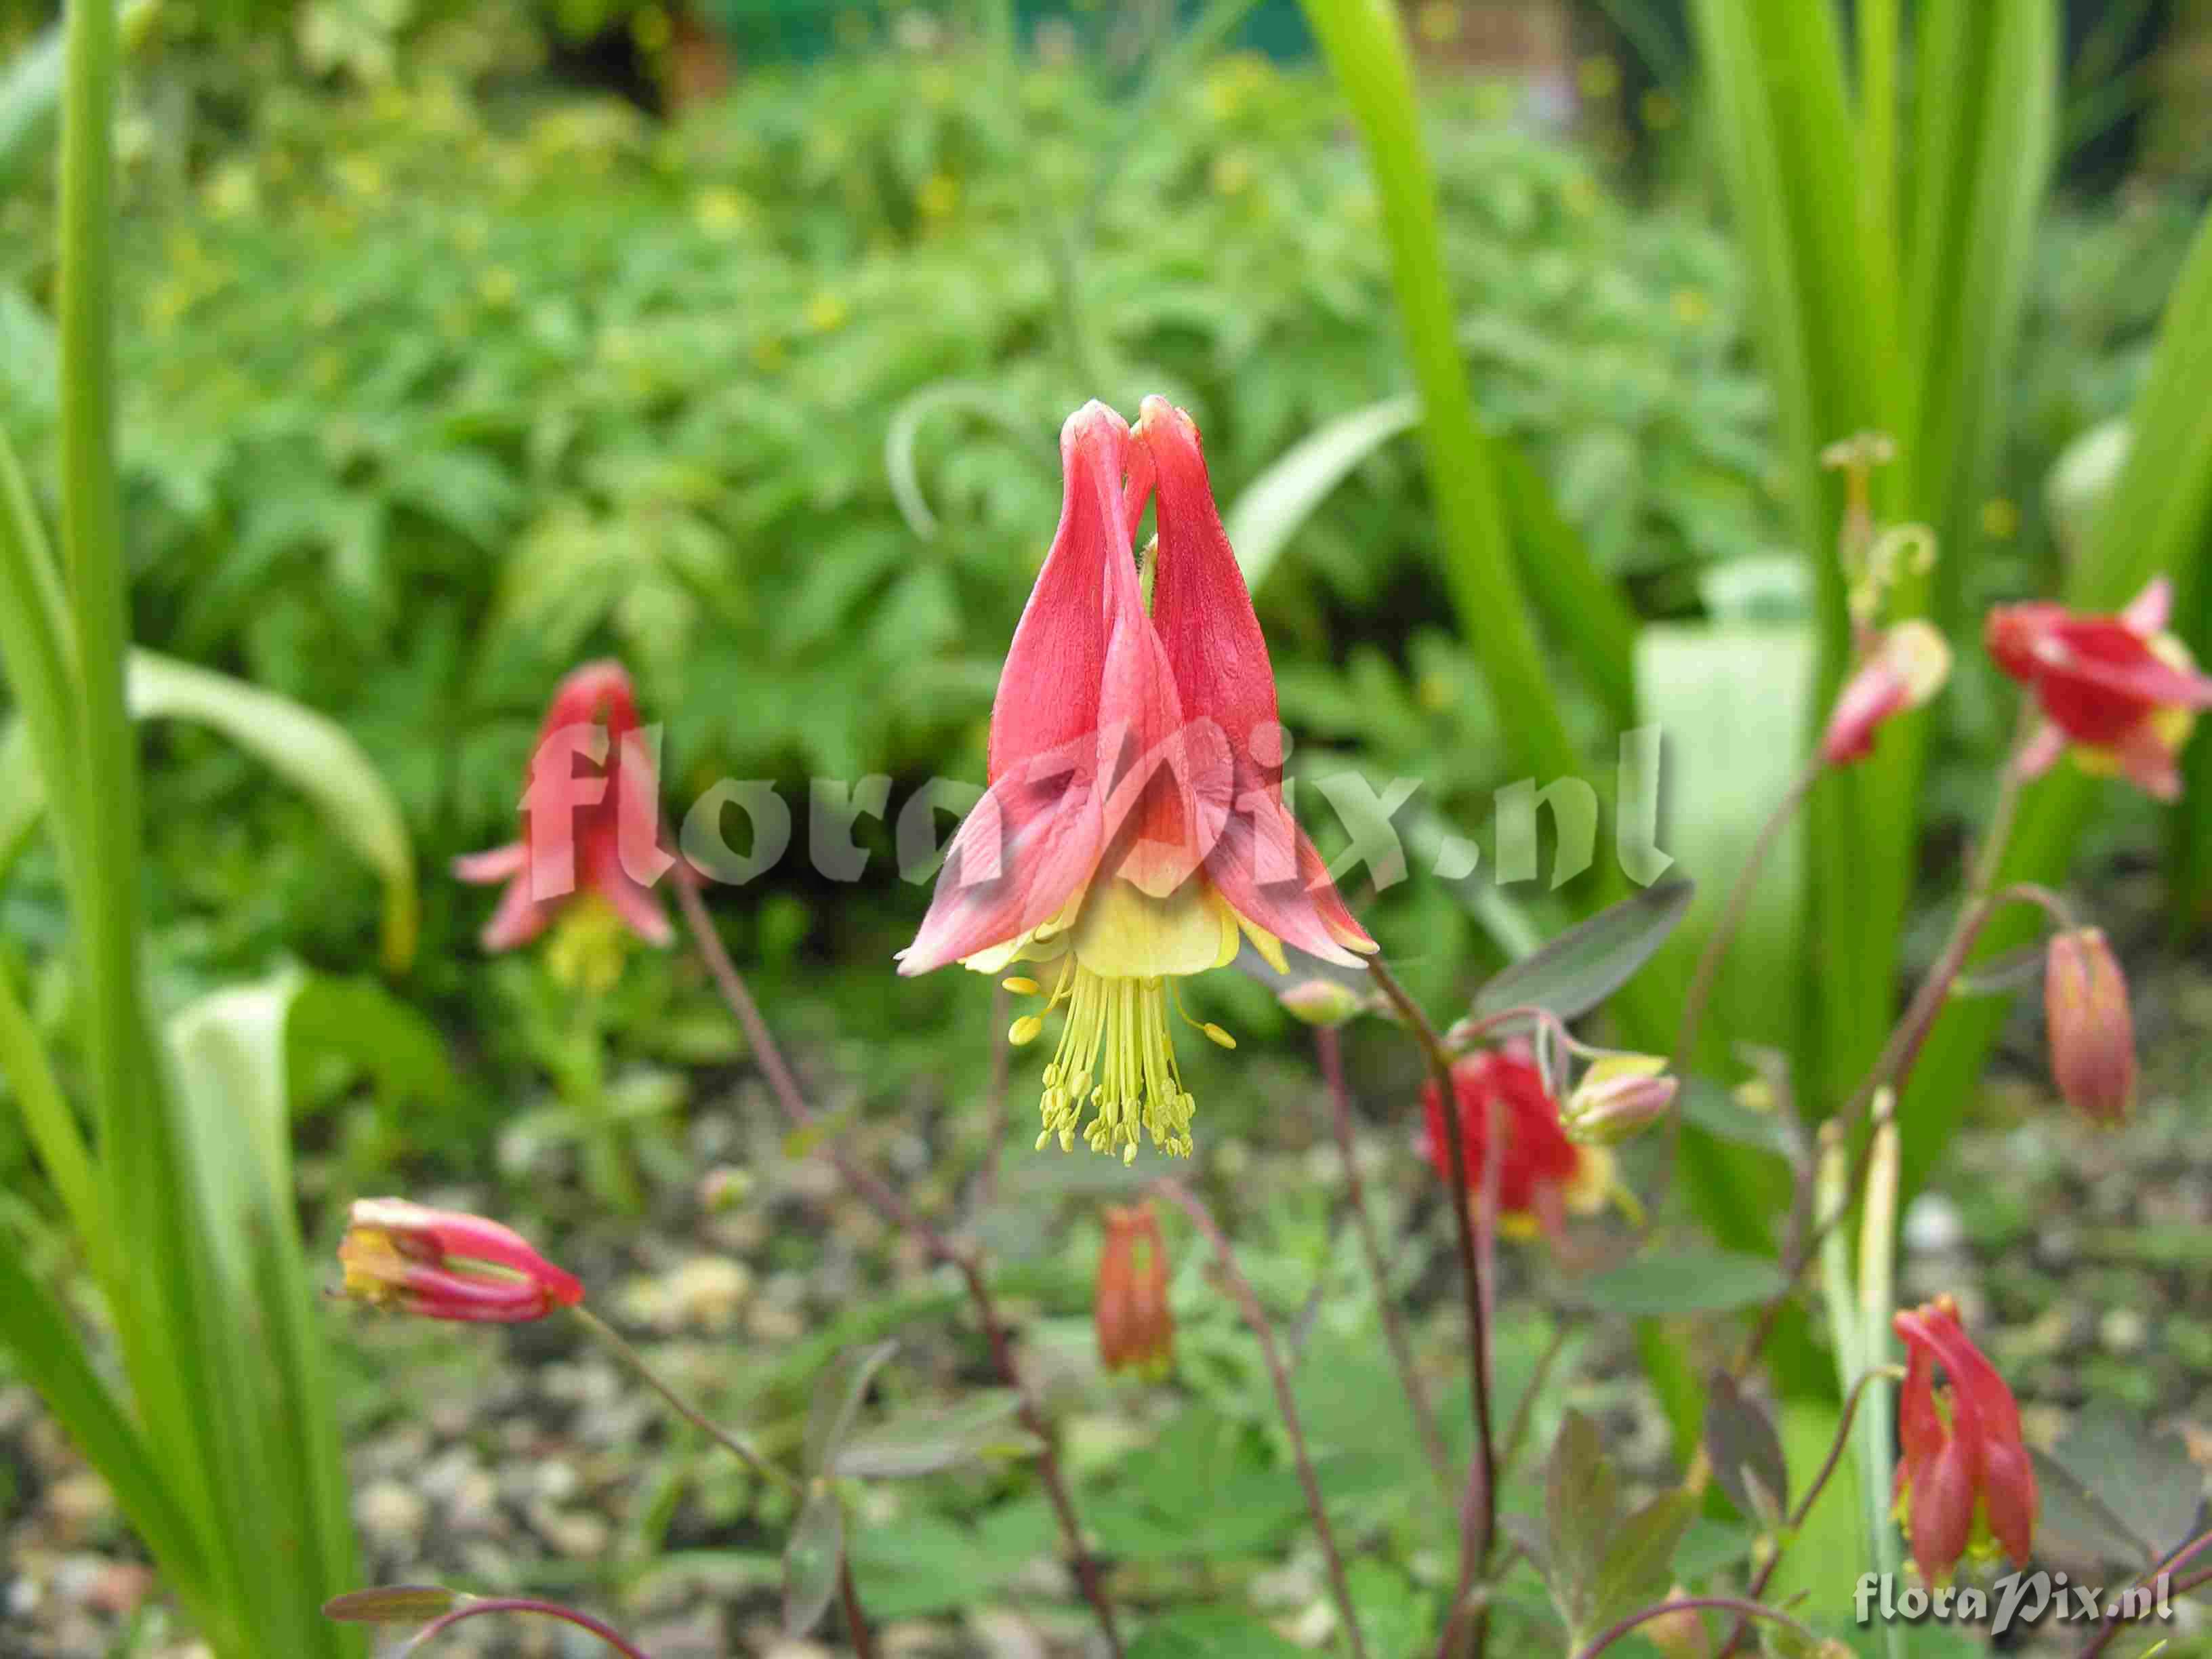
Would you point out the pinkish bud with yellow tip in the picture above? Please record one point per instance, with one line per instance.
(2092, 1034)
(446, 1265)
(1619, 1097)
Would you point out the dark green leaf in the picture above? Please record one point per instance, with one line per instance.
(1670, 1282)
(1588, 963)
(1212, 1633)
(1639, 1560)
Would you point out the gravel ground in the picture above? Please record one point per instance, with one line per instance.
(522, 1458)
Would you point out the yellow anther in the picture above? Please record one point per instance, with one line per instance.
(1025, 1030)
(1218, 1035)
(1020, 987)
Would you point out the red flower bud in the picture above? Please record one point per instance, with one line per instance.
(2092, 1037)
(1906, 666)
(1135, 1329)
(445, 1264)
(1542, 1176)
(1964, 1480)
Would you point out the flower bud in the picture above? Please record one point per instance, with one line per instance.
(1135, 1329)
(1319, 1001)
(1619, 1097)
(1680, 1633)
(2093, 1038)
(1906, 666)
(445, 1264)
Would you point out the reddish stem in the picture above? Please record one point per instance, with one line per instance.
(1257, 1316)
(1330, 1052)
(871, 1190)
(524, 1604)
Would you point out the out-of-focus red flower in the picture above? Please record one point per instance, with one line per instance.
(1135, 1329)
(1906, 665)
(2118, 691)
(2091, 1030)
(590, 829)
(1964, 1480)
(1542, 1176)
(1134, 826)
(445, 1264)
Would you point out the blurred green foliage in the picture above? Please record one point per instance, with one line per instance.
(429, 397)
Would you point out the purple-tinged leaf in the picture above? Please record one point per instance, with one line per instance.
(392, 1604)
(1746, 1452)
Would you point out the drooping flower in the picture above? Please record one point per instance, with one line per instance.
(1964, 1480)
(1135, 1329)
(2118, 691)
(1542, 1176)
(445, 1264)
(1134, 823)
(1905, 666)
(593, 831)
(2091, 1030)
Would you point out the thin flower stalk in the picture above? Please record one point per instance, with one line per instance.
(1247, 1301)
(1329, 1051)
(584, 1621)
(873, 1191)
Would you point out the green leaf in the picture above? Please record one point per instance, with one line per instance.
(392, 1604)
(1579, 1504)
(314, 753)
(836, 1400)
(360, 1022)
(904, 430)
(1588, 962)
(1639, 1566)
(47, 1352)
(1271, 509)
(810, 1559)
(282, 1461)
(1662, 1283)
(926, 1443)
(1212, 1633)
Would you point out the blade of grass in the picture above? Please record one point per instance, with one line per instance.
(46, 1349)
(54, 1131)
(1364, 44)
(160, 1306)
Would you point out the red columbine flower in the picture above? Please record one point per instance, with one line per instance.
(1541, 1175)
(1963, 1478)
(2092, 1032)
(1134, 825)
(446, 1265)
(582, 833)
(2121, 691)
(1905, 666)
(1131, 1312)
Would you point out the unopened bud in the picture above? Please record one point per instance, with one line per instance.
(1135, 1329)
(1320, 1001)
(2092, 1036)
(446, 1265)
(1619, 1097)
(1679, 1633)
(1907, 665)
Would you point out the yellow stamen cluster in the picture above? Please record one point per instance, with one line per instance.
(1114, 1058)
